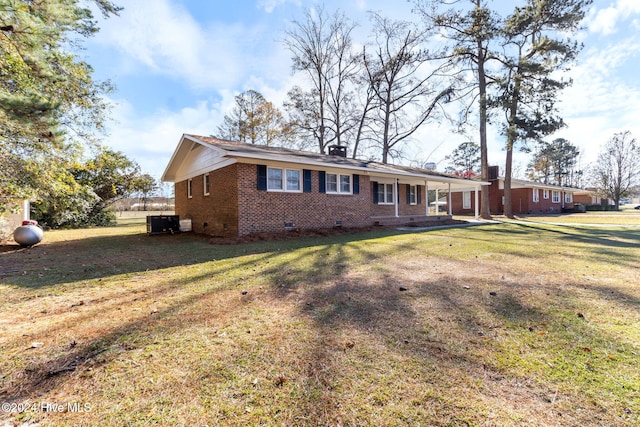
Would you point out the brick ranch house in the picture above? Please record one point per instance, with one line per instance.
(232, 189)
(527, 197)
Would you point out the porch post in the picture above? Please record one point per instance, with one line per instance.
(437, 205)
(426, 197)
(450, 208)
(395, 201)
(477, 211)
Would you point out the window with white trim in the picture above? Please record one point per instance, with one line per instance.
(466, 200)
(283, 180)
(189, 188)
(545, 194)
(536, 195)
(555, 196)
(385, 194)
(568, 197)
(413, 195)
(338, 184)
(293, 180)
(206, 184)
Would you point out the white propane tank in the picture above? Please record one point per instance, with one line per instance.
(28, 234)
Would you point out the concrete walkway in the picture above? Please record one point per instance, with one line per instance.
(476, 222)
(470, 223)
(572, 224)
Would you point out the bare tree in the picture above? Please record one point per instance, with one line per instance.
(406, 92)
(322, 48)
(616, 173)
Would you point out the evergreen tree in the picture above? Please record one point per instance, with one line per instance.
(465, 158)
(472, 30)
(47, 96)
(536, 48)
(554, 162)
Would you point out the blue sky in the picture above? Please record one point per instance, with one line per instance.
(177, 64)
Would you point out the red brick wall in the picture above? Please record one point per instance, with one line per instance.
(217, 213)
(265, 211)
(236, 207)
(522, 202)
(404, 209)
(456, 203)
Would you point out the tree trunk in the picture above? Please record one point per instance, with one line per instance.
(485, 212)
(512, 136)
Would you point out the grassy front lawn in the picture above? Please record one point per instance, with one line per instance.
(514, 324)
(627, 216)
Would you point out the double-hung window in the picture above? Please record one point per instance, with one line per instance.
(466, 200)
(207, 184)
(385, 194)
(283, 179)
(568, 197)
(338, 184)
(293, 180)
(413, 195)
(555, 196)
(536, 195)
(545, 194)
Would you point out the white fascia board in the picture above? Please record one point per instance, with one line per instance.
(181, 176)
(176, 171)
(518, 183)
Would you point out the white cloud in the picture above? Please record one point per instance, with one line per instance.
(605, 21)
(165, 39)
(151, 140)
(270, 5)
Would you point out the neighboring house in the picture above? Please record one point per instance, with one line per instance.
(18, 211)
(527, 197)
(231, 188)
(590, 196)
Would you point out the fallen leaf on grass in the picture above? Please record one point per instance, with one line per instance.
(587, 349)
(349, 344)
(542, 332)
(280, 381)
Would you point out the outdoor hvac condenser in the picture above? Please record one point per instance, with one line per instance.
(157, 224)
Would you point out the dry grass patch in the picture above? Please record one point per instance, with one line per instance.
(510, 324)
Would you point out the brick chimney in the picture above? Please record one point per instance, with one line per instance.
(493, 172)
(338, 150)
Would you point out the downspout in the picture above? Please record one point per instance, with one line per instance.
(477, 212)
(449, 207)
(426, 197)
(437, 203)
